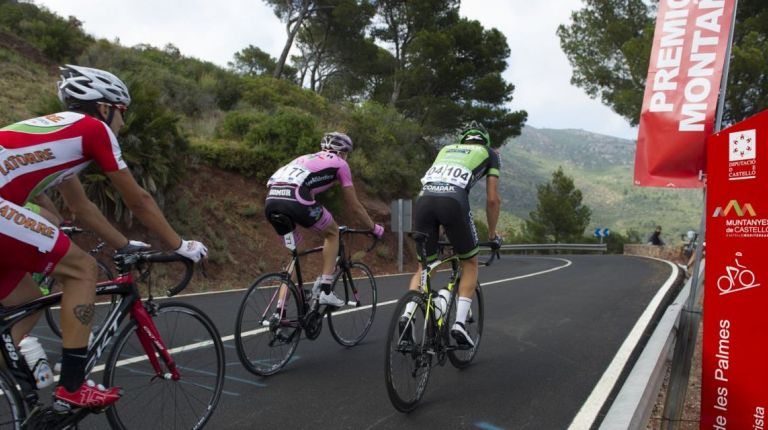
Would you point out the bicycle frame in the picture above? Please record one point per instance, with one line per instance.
(130, 303)
(294, 267)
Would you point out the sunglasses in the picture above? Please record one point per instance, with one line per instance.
(122, 108)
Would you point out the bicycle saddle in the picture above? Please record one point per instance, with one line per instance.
(418, 236)
(282, 223)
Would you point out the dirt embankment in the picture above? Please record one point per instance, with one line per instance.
(225, 211)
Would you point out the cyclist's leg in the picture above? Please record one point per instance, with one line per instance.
(462, 233)
(426, 221)
(26, 291)
(28, 243)
(31, 243)
(328, 228)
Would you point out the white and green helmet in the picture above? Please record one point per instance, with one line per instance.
(474, 132)
(85, 84)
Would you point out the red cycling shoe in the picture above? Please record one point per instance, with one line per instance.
(89, 395)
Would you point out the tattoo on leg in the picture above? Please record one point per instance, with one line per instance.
(85, 313)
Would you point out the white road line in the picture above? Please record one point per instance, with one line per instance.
(589, 410)
(204, 344)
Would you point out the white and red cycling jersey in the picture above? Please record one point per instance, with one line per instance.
(37, 154)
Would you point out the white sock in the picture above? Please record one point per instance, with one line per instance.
(409, 308)
(462, 309)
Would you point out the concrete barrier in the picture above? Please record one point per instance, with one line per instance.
(672, 253)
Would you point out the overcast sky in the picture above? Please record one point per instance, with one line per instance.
(215, 30)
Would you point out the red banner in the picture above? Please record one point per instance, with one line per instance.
(734, 393)
(689, 46)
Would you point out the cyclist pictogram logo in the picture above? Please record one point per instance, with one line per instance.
(733, 206)
(737, 278)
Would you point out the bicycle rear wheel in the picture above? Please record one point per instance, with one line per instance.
(265, 339)
(12, 412)
(156, 402)
(461, 358)
(351, 324)
(104, 304)
(408, 363)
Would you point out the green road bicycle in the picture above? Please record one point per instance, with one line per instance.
(416, 344)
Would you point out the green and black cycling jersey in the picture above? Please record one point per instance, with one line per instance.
(458, 167)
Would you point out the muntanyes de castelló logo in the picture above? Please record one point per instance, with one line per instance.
(741, 221)
(734, 207)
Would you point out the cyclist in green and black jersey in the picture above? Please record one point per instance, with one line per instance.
(444, 201)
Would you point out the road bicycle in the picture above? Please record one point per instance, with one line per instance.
(275, 310)
(417, 343)
(168, 357)
(49, 285)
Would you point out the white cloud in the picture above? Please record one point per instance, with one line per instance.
(215, 30)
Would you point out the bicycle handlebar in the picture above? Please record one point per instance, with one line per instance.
(495, 255)
(490, 244)
(132, 259)
(344, 230)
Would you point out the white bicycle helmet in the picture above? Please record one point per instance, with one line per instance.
(336, 141)
(86, 84)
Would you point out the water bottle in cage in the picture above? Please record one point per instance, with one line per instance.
(441, 302)
(34, 354)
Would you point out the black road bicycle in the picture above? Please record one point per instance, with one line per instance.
(419, 342)
(275, 310)
(168, 357)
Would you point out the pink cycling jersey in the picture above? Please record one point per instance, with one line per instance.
(34, 155)
(311, 174)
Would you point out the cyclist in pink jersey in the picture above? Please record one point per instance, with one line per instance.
(292, 191)
(49, 151)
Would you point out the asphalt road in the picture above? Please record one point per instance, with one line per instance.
(552, 326)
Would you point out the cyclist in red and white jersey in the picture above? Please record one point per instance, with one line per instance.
(49, 151)
(292, 191)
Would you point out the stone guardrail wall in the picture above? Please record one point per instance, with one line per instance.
(672, 253)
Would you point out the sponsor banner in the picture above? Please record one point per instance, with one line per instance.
(735, 349)
(678, 113)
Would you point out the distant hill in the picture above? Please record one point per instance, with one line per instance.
(602, 167)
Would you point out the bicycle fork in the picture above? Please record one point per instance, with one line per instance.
(151, 342)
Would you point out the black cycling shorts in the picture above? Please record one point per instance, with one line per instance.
(313, 216)
(454, 214)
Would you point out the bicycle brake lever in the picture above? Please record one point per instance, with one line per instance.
(203, 269)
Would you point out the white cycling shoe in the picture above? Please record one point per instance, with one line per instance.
(331, 300)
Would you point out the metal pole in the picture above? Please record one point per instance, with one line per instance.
(400, 235)
(690, 317)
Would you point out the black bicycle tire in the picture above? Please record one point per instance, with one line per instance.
(404, 405)
(454, 355)
(335, 332)
(54, 324)
(242, 350)
(15, 404)
(218, 369)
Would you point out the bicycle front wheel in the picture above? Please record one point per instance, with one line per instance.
(351, 324)
(159, 402)
(461, 358)
(104, 304)
(12, 412)
(267, 330)
(409, 359)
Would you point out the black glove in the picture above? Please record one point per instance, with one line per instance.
(496, 242)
